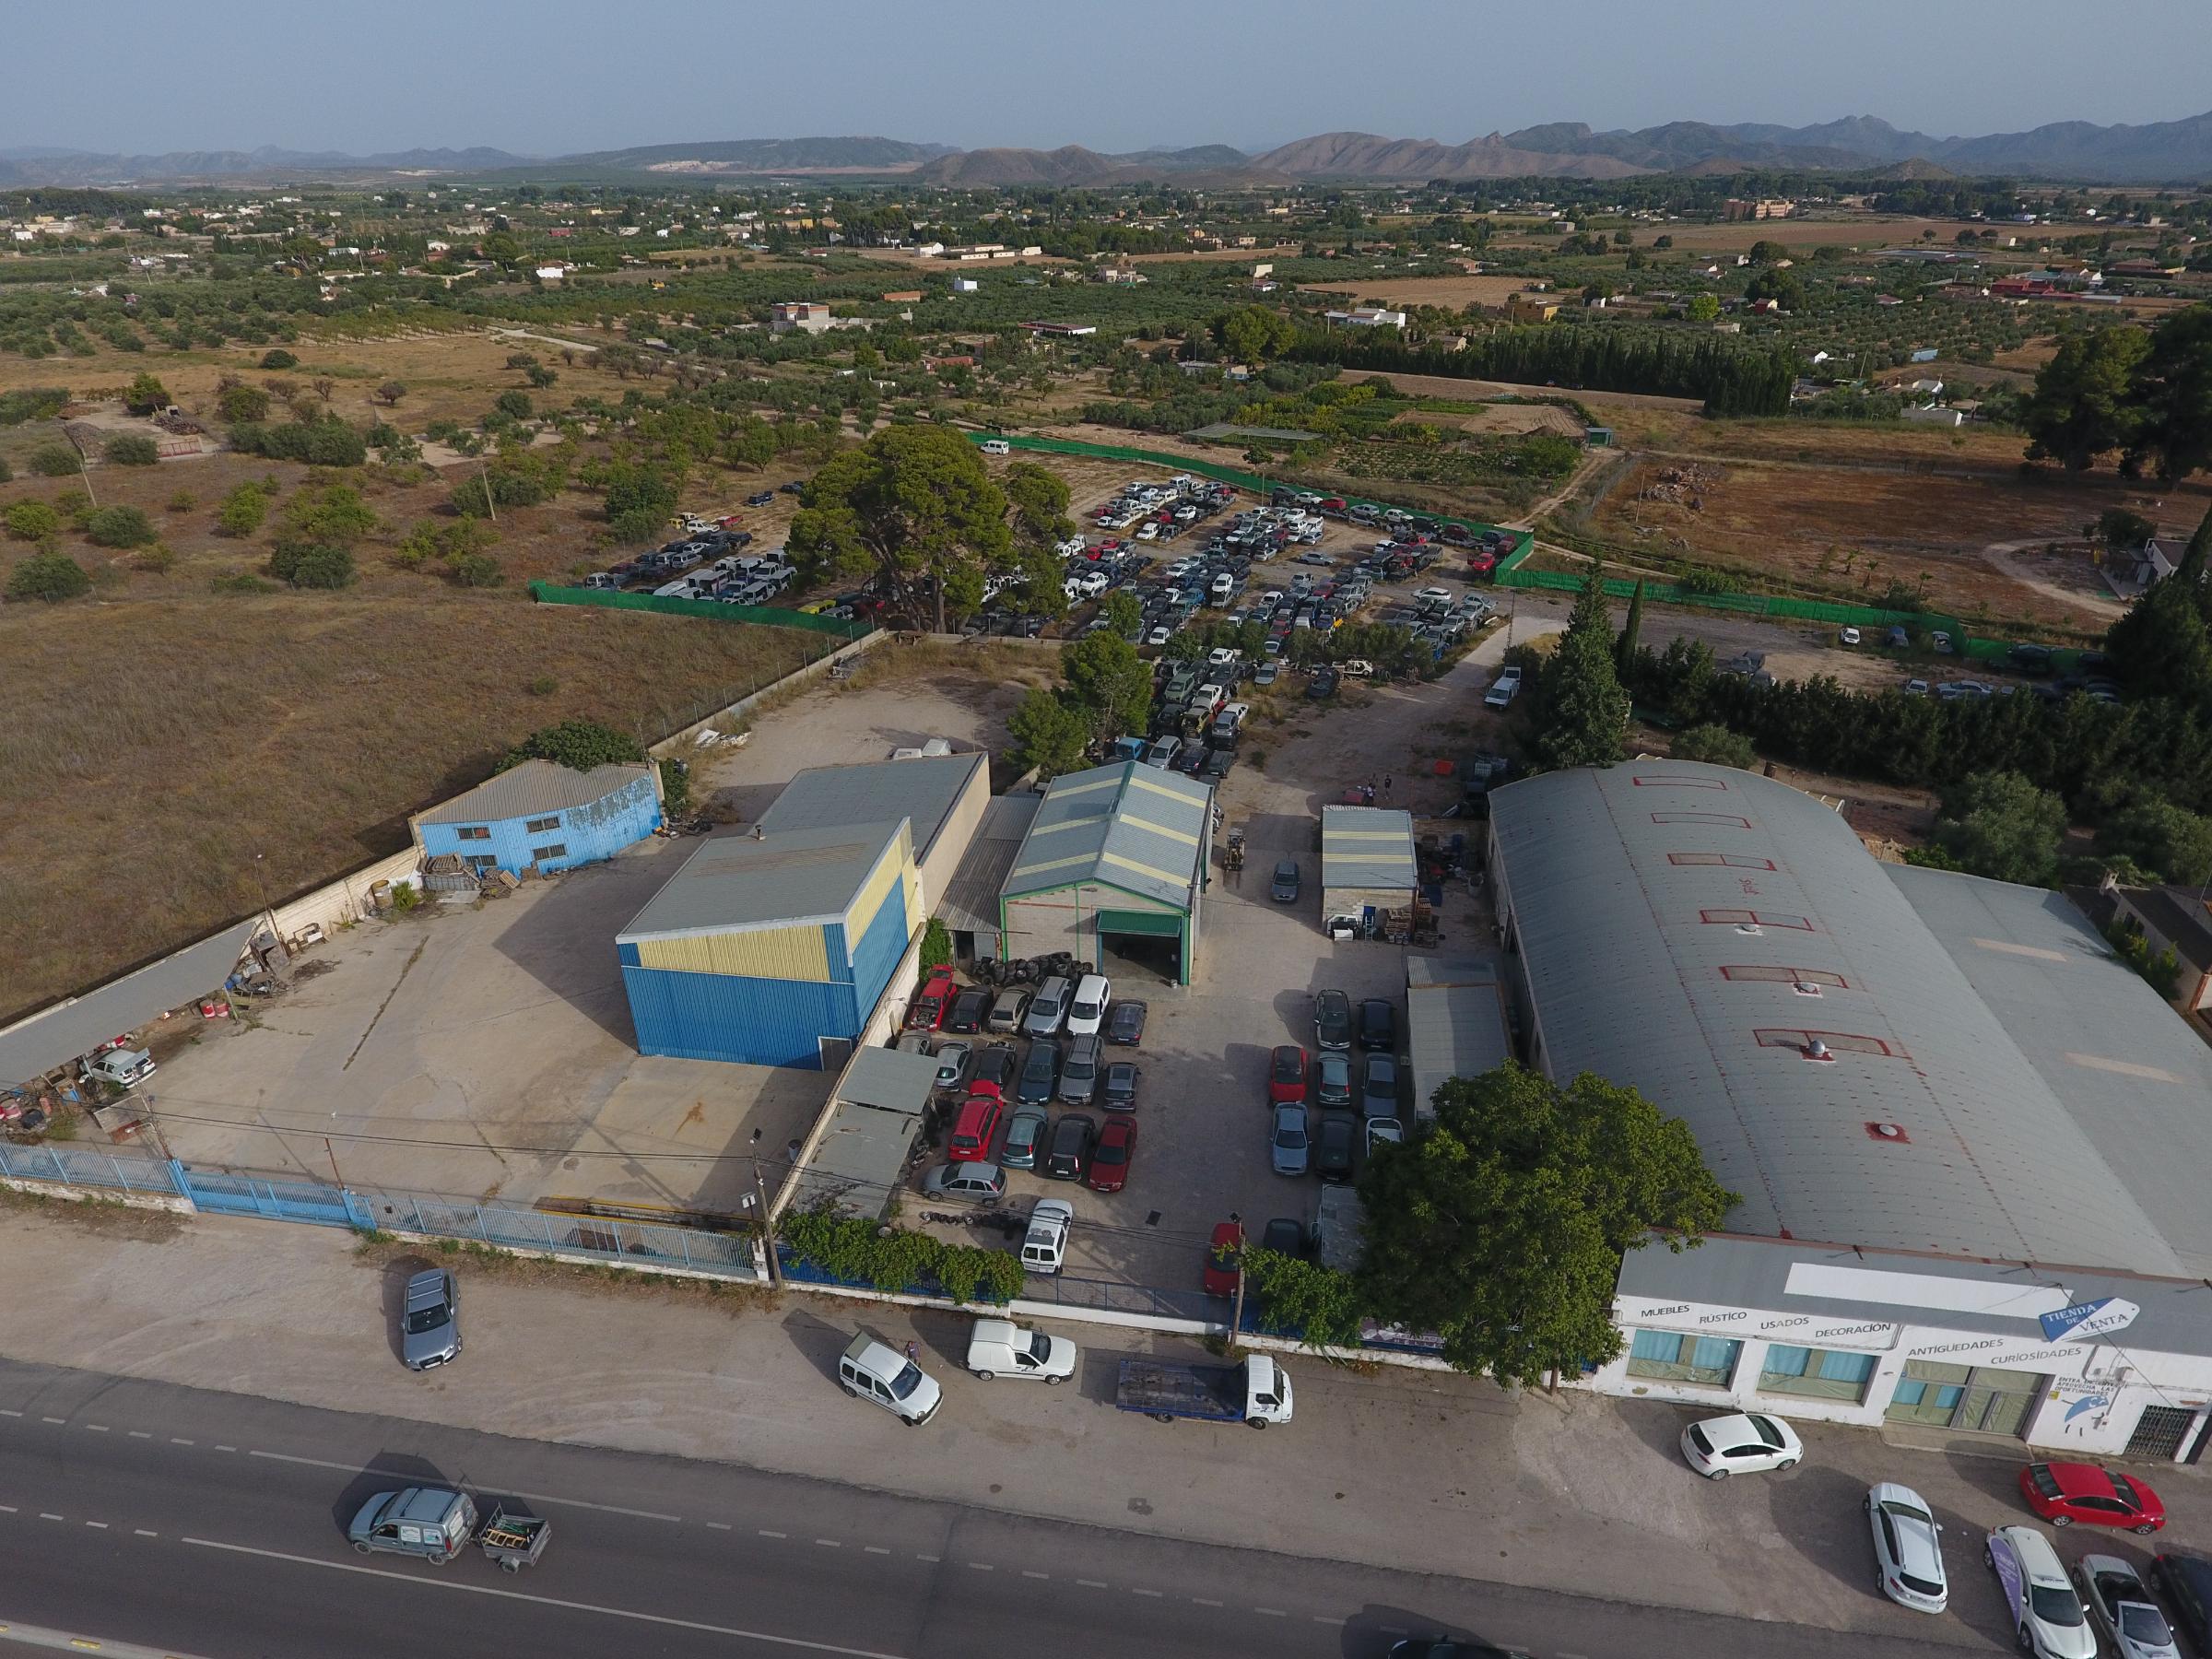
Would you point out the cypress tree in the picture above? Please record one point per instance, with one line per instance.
(1624, 649)
(1583, 711)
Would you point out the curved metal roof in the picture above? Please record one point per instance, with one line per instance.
(1138, 827)
(1673, 918)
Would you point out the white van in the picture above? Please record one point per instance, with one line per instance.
(1044, 1246)
(999, 1347)
(995, 446)
(875, 1372)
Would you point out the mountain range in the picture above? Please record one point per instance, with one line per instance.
(2155, 152)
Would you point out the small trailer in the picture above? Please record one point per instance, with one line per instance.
(514, 1540)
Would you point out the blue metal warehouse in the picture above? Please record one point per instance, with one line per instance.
(541, 813)
(772, 948)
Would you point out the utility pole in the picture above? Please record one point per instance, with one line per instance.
(1236, 1315)
(490, 506)
(85, 473)
(768, 1229)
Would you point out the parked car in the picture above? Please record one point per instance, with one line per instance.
(1332, 1078)
(1383, 1130)
(1503, 690)
(1079, 1073)
(984, 1183)
(1288, 1148)
(2187, 1582)
(1048, 1009)
(1026, 1131)
(1283, 890)
(1007, 1010)
(1378, 1024)
(1111, 1155)
(1850, 636)
(1069, 1152)
(991, 1069)
(1379, 1086)
(2063, 1493)
(1323, 686)
(1287, 1076)
(1286, 1236)
(1117, 1088)
(2047, 1618)
(430, 1320)
(999, 1347)
(952, 1064)
(1741, 1443)
(879, 1373)
(926, 1012)
(761, 498)
(974, 1129)
(1219, 1275)
(1334, 1143)
(1907, 1548)
(1125, 1026)
(2122, 1607)
(1331, 1020)
(1040, 1073)
(1086, 1007)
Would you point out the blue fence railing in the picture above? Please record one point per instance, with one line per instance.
(88, 1167)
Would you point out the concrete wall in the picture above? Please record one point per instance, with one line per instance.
(683, 743)
(345, 900)
(955, 839)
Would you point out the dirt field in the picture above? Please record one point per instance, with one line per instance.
(1453, 293)
(1500, 419)
(1446, 385)
(1869, 231)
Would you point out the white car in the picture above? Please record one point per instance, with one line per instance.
(2047, 1617)
(1044, 1246)
(1087, 1009)
(999, 1347)
(1850, 636)
(2124, 1609)
(1907, 1548)
(1744, 1443)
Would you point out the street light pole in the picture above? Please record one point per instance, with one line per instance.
(1236, 1316)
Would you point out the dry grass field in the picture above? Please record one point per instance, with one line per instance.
(1451, 293)
(1612, 404)
(1501, 421)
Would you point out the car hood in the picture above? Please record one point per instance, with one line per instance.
(435, 1344)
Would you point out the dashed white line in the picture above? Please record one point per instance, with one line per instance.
(8, 1509)
(144, 1534)
(175, 1441)
(877, 1549)
(1092, 1583)
(830, 1543)
(1574, 1656)
(223, 1448)
(43, 1516)
(1205, 1600)
(140, 1434)
(982, 1566)
(933, 1560)
(95, 1427)
(97, 1526)
(766, 1533)
(1027, 1572)
(6, 1413)
(1272, 1612)
(719, 1525)
(53, 1419)
(1324, 1619)
(1156, 1594)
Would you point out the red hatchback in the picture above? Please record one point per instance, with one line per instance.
(1287, 1076)
(926, 1012)
(972, 1130)
(1222, 1270)
(1109, 1156)
(2063, 1493)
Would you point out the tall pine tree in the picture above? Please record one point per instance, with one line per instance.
(1583, 711)
(1624, 651)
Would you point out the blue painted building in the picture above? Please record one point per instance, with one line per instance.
(771, 948)
(543, 814)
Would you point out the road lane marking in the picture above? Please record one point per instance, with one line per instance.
(719, 1525)
(1027, 1572)
(175, 1441)
(354, 1468)
(1272, 1612)
(1324, 1619)
(53, 1419)
(828, 1543)
(877, 1549)
(95, 1427)
(1092, 1583)
(45, 1516)
(223, 1448)
(7, 1509)
(982, 1566)
(144, 1534)
(931, 1558)
(140, 1434)
(766, 1533)
(666, 1620)
(1205, 1600)
(41, 1636)
(1156, 1594)
(97, 1526)
(4, 1412)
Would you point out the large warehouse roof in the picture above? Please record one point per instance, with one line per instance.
(532, 787)
(1694, 931)
(1368, 847)
(831, 797)
(1135, 826)
(970, 903)
(760, 880)
(52, 1038)
(1454, 1023)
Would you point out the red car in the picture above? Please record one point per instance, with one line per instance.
(1483, 562)
(1109, 1156)
(926, 1012)
(2063, 1493)
(1222, 1271)
(974, 1129)
(1287, 1076)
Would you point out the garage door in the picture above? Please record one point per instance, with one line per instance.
(1158, 923)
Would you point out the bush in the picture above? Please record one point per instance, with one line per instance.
(241, 581)
(675, 778)
(514, 405)
(936, 945)
(242, 511)
(183, 501)
(1715, 743)
(241, 403)
(50, 577)
(325, 441)
(31, 521)
(896, 1260)
(579, 745)
(312, 565)
(279, 358)
(6, 472)
(119, 527)
(474, 570)
(132, 449)
(54, 460)
(158, 558)
(33, 403)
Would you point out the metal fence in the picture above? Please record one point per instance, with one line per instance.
(587, 1237)
(768, 616)
(1112, 1297)
(88, 1167)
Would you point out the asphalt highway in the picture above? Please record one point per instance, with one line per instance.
(208, 1525)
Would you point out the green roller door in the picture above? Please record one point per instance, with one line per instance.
(1162, 925)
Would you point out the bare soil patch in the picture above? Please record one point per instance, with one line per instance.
(1446, 385)
(1452, 293)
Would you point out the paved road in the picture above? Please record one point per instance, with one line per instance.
(209, 1525)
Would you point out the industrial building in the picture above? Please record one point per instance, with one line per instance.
(1367, 865)
(860, 1151)
(544, 816)
(1968, 1141)
(1456, 1023)
(772, 948)
(942, 797)
(1115, 861)
(969, 904)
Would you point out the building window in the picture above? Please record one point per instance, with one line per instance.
(1726, 820)
(1821, 1373)
(1835, 1042)
(1744, 918)
(473, 832)
(1786, 976)
(483, 863)
(554, 850)
(1732, 860)
(1670, 1356)
(1661, 781)
(540, 826)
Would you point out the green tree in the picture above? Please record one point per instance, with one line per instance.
(1582, 711)
(1625, 648)
(2161, 646)
(1322, 1305)
(51, 576)
(241, 402)
(2084, 404)
(1049, 733)
(2174, 385)
(1765, 253)
(1122, 613)
(119, 527)
(1039, 497)
(1106, 677)
(539, 376)
(1786, 289)
(1500, 1223)
(579, 745)
(1702, 308)
(1716, 745)
(132, 449)
(1253, 333)
(31, 521)
(936, 945)
(335, 513)
(311, 564)
(243, 511)
(54, 461)
(279, 358)
(2001, 826)
(514, 404)
(389, 392)
(145, 394)
(913, 502)
(2118, 527)
(2171, 842)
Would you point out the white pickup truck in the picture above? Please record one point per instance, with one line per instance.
(1503, 690)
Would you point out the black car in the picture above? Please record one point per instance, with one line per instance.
(1323, 686)
(1284, 889)
(1444, 1647)
(1118, 1091)
(1220, 763)
(1286, 1237)
(761, 500)
(1126, 1024)
(1333, 1145)
(2186, 1581)
(1040, 1073)
(1377, 1024)
(791, 489)
(1070, 1153)
(1333, 1019)
(968, 1010)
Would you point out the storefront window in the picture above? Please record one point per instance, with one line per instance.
(1670, 1356)
(1821, 1374)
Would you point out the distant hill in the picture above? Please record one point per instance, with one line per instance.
(768, 155)
(1073, 167)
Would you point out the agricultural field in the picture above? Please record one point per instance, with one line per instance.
(1448, 293)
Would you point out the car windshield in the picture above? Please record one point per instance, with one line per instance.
(1041, 1347)
(425, 1319)
(2054, 1605)
(1768, 1431)
(907, 1380)
(1111, 1152)
(1290, 1137)
(2139, 1621)
(1905, 1511)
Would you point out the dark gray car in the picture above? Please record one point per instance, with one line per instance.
(1039, 1072)
(1079, 1074)
(430, 1325)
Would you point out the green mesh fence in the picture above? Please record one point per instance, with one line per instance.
(547, 592)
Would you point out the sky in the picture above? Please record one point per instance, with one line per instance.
(559, 77)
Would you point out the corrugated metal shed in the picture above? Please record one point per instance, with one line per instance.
(1367, 849)
(923, 791)
(1674, 923)
(857, 1162)
(889, 1081)
(1455, 1024)
(53, 1037)
(754, 879)
(534, 787)
(971, 900)
(1132, 826)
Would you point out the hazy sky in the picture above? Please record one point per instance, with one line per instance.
(560, 75)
